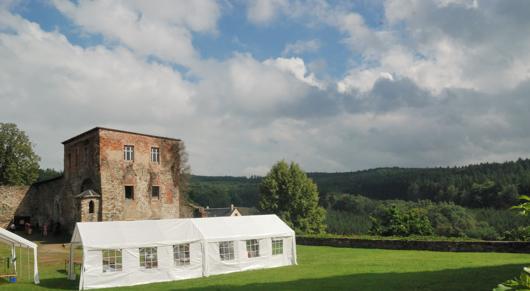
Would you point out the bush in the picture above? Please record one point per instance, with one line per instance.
(342, 222)
(521, 233)
(391, 220)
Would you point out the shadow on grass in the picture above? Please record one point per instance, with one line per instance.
(59, 284)
(483, 278)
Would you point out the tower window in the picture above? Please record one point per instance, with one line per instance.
(91, 206)
(155, 192)
(128, 153)
(129, 192)
(155, 155)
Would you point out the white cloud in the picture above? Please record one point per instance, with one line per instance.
(301, 46)
(162, 30)
(439, 87)
(56, 89)
(264, 11)
(295, 66)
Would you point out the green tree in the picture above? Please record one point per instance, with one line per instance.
(19, 165)
(523, 281)
(49, 173)
(289, 193)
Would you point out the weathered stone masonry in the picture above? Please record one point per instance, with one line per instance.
(93, 185)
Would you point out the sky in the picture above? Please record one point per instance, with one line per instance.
(332, 85)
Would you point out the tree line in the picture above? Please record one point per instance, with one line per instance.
(487, 185)
(355, 214)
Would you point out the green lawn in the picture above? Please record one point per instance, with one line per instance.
(328, 268)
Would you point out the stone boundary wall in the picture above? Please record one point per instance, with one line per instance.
(13, 199)
(442, 246)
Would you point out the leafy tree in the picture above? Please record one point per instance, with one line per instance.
(19, 165)
(46, 174)
(523, 281)
(289, 193)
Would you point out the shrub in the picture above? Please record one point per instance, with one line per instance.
(392, 220)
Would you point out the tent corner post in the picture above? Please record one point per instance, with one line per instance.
(71, 273)
(36, 278)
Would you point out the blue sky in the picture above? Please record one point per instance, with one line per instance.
(332, 85)
(235, 34)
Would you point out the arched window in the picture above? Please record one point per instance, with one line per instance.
(91, 206)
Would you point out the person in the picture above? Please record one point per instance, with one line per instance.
(45, 229)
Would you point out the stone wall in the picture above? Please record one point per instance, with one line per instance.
(141, 173)
(13, 201)
(84, 209)
(50, 204)
(42, 201)
(443, 246)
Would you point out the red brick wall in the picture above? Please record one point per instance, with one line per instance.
(140, 173)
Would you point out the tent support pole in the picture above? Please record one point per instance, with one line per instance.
(29, 266)
(36, 278)
(204, 259)
(71, 273)
(295, 259)
(20, 258)
(14, 257)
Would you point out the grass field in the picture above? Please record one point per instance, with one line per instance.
(328, 268)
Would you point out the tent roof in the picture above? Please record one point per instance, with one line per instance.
(242, 227)
(123, 234)
(11, 238)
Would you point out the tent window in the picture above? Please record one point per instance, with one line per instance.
(181, 254)
(226, 250)
(253, 248)
(111, 260)
(277, 246)
(91, 206)
(148, 258)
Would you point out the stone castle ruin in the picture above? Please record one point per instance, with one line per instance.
(108, 175)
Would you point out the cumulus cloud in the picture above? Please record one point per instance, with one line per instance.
(163, 30)
(438, 83)
(302, 46)
(264, 11)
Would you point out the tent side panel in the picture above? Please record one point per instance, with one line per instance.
(242, 262)
(133, 274)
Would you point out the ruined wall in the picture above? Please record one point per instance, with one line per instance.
(13, 201)
(141, 173)
(49, 204)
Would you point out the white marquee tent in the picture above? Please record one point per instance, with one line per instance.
(15, 241)
(124, 253)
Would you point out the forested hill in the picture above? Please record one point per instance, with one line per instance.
(484, 185)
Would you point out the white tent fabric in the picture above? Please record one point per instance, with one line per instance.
(15, 240)
(205, 237)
